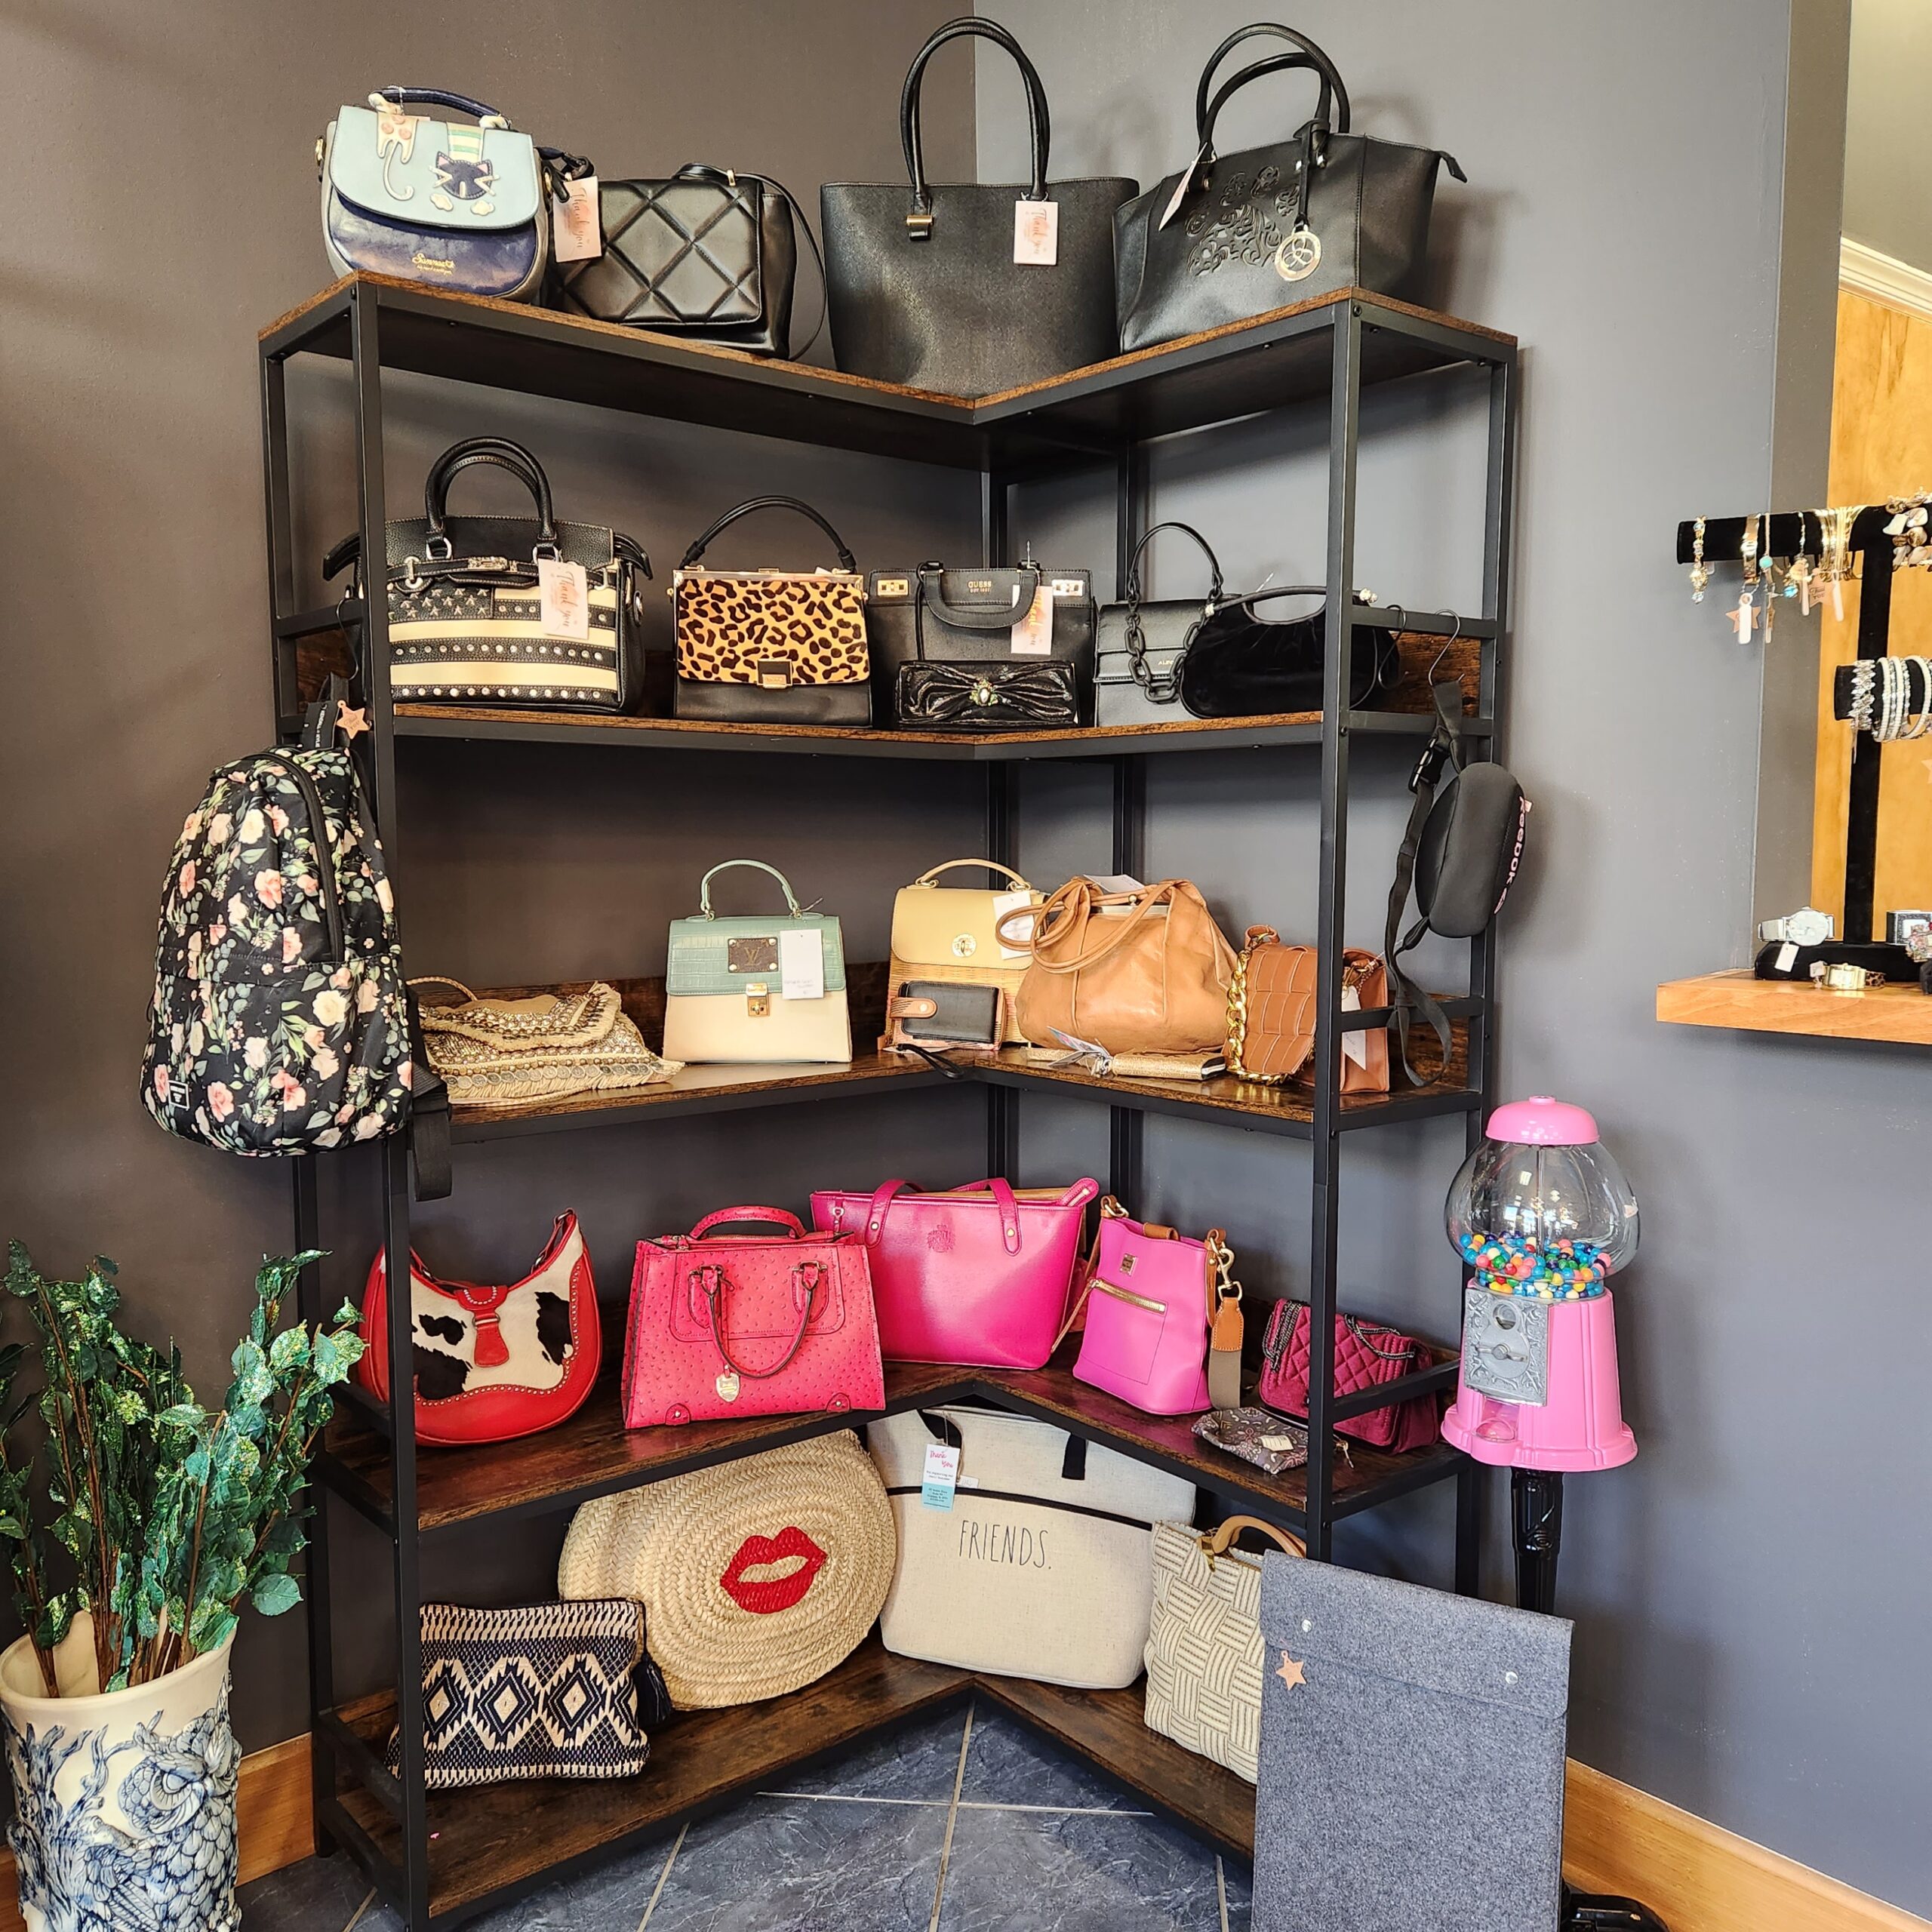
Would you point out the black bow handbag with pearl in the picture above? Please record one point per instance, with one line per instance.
(522, 612)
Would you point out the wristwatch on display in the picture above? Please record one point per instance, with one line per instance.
(1843, 977)
(1808, 926)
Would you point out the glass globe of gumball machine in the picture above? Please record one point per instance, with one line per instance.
(1542, 1215)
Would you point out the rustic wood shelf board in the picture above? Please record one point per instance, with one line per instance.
(1902, 1015)
(1218, 376)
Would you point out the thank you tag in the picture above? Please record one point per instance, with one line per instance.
(1033, 635)
(1014, 902)
(1354, 1047)
(801, 962)
(1181, 187)
(1036, 233)
(941, 1476)
(579, 235)
(563, 595)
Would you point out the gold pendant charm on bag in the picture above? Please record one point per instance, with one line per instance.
(1299, 256)
(727, 1386)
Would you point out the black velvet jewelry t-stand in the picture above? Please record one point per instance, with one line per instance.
(1795, 533)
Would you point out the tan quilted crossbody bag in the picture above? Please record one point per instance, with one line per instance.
(1271, 1013)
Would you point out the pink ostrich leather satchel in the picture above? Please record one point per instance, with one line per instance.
(763, 1324)
(980, 1276)
(1152, 1299)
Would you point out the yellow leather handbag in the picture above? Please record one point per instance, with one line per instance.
(951, 934)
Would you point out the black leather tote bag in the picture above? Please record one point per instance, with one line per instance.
(1237, 665)
(921, 283)
(1242, 234)
(708, 255)
(933, 615)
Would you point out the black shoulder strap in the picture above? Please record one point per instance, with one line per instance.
(429, 1114)
(1445, 747)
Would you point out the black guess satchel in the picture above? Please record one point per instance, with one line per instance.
(709, 255)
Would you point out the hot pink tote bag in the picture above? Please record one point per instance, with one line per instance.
(765, 1324)
(980, 1276)
(1150, 1306)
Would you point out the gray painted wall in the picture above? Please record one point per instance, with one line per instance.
(1884, 148)
(1749, 1592)
(173, 214)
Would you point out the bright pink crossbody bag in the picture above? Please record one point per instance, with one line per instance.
(980, 1276)
(1161, 1309)
(758, 1325)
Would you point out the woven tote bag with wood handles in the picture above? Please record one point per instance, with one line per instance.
(757, 1576)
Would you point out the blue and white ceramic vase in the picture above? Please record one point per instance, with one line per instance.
(123, 1804)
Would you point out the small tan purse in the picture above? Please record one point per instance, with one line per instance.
(950, 934)
(506, 1051)
(1271, 1014)
(1143, 972)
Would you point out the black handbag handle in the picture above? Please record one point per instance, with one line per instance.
(1039, 128)
(1187, 530)
(497, 452)
(730, 516)
(1331, 111)
(977, 618)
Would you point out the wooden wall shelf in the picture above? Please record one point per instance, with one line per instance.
(1738, 999)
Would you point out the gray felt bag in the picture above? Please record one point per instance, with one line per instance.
(1412, 1750)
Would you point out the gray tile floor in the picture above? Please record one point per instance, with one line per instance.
(966, 1824)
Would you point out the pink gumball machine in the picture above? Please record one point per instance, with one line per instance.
(1542, 1215)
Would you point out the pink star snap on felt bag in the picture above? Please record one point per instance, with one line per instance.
(762, 1324)
(980, 1276)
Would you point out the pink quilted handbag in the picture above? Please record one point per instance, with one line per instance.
(758, 1325)
(980, 1276)
(1367, 1356)
(1152, 1298)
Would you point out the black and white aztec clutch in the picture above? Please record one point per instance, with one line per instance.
(554, 1690)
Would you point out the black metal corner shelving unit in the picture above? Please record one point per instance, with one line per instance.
(1328, 351)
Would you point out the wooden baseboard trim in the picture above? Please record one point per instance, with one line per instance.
(1696, 1876)
(272, 1819)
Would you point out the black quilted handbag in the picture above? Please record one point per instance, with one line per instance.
(709, 255)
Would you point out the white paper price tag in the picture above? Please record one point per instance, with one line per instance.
(1354, 1047)
(941, 1476)
(801, 963)
(578, 233)
(1033, 635)
(1181, 187)
(1787, 957)
(563, 596)
(1021, 929)
(1036, 233)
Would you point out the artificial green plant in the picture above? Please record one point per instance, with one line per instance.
(165, 1517)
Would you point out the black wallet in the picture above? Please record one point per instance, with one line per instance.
(940, 1013)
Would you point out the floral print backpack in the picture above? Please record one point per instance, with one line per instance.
(280, 1021)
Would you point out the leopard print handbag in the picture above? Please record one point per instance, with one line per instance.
(771, 636)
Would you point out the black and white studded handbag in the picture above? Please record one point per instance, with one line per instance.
(469, 620)
(552, 1691)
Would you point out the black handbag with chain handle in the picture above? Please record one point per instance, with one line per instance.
(922, 281)
(710, 255)
(1241, 235)
(1139, 644)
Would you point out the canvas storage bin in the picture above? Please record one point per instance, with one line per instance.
(1043, 1566)
(757, 1576)
(1412, 1747)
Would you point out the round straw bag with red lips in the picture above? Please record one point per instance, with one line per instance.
(757, 1576)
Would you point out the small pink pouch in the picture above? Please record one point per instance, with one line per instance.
(1150, 1306)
